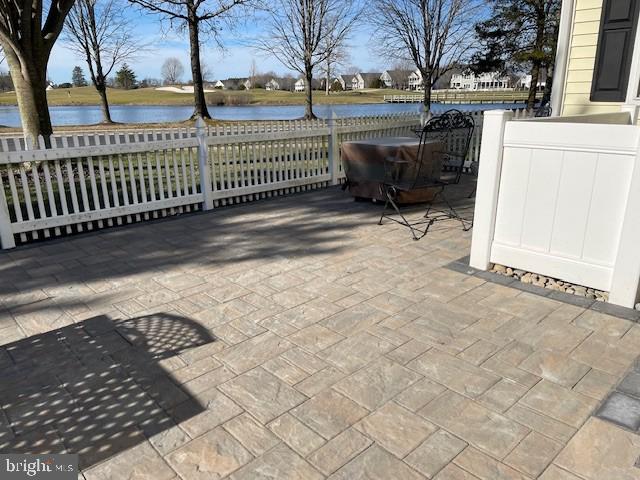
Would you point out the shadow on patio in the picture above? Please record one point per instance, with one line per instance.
(98, 387)
(84, 272)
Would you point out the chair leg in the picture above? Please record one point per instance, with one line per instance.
(454, 215)
(404, 221)
(384, 211)
(433, 200)
(450, 214)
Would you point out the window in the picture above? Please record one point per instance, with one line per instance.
(614, 55)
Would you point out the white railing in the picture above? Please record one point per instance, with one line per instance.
(64, 139)
(560, 197)
(464, 96)
(87, 182)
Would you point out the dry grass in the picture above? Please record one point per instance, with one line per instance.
(150, 96)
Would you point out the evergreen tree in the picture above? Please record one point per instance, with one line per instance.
(77, 77)
(520, 34)
(126, 78)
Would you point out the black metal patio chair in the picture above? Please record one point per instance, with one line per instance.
(452, 131)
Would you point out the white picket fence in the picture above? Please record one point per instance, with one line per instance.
(92, 181)
(62, 139)
(88, 182)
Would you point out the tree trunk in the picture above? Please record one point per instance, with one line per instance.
(546, 96)
(425, 115)
(200, 103)
(428, 85)
(327, 80)
(30, 83)
(104, 103)
(308, 107)
(539, 48)
(99, 82)
(533, 88)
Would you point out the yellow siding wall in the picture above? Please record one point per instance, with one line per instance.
(582, 60)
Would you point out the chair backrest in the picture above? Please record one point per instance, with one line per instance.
(454, 130)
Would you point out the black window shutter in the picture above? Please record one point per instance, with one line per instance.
(615, 50)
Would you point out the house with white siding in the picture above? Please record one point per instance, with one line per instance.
(483, 81)
(271, 85)
(398, 79)
(300, 84)
(366, 80)
(415, 81)
(345, 81)
(282, 83)
(524, 83)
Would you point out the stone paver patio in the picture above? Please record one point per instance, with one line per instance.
(296, 339)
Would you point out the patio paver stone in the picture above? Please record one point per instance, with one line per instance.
(296, 339)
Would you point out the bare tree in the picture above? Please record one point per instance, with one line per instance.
(172, 71)
(403, 64)
(336, 57)
(253, 73)
(207, 72)
(302, 34)
(99, 32)
(28, 32)
(432, 34)
(352, 70)
(201, 18)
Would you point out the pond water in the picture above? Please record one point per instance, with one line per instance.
(87, 115)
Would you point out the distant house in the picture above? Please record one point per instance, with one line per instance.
(366, 80)
(300, 84)
(236, 84)
(218, 85)
(345, 81)
(272, 85)
(415, 81)
(280, 83)
(50, 86)
(524, 83)
(398, 79)
(483, 81)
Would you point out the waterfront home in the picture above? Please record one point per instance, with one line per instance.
(415, 80)
(300, 84)
(482, 81)
(280, 83)
(398, 79)
(524, 82)
(272, 84)
(345, 81)
(366, 80)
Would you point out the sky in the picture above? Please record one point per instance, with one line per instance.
(234, 61)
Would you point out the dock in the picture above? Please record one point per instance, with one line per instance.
(464, 97)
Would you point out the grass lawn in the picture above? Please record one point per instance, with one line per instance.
(150, 96)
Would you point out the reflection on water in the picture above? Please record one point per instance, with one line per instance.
(87, 115)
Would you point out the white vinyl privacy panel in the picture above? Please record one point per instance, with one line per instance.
(562, 199)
